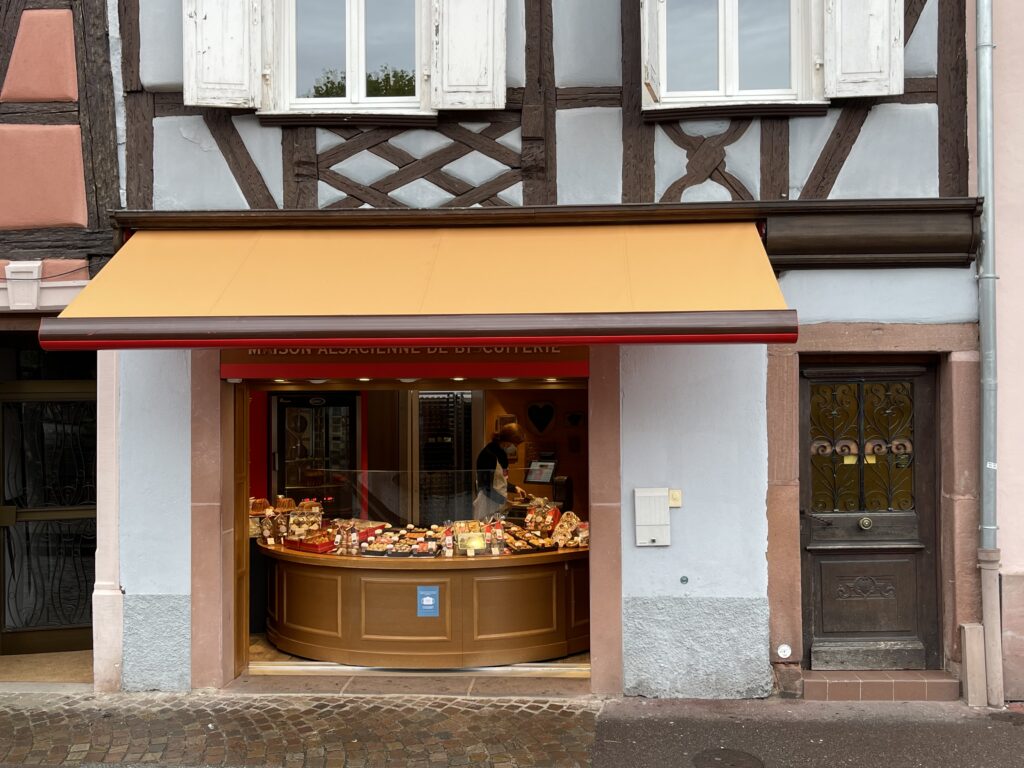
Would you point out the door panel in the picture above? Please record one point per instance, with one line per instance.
(868, 517)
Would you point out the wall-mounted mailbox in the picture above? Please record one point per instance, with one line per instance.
(653, 524)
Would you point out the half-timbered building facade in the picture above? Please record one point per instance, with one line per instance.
(829, 484)
(59, 177)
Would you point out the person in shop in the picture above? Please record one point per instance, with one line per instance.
(492, 471)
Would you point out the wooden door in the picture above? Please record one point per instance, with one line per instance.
(868, 510)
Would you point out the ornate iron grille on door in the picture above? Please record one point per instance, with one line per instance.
(862, 446)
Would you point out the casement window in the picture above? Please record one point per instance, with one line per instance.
(711, 52)
(345, 56)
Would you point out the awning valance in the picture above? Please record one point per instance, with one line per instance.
(665, 283)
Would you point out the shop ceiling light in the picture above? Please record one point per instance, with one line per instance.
(318, 381)
(551, 380)
(458, 378)
(504, 380)
(408, 381)
(280, 381)
(363, 378)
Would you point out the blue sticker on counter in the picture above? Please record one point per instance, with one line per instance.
(427, 602)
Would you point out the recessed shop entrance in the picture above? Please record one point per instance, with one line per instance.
(383, 532)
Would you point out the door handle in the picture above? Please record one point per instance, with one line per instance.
(865, 523)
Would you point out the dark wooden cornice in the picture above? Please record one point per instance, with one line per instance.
(798, 234)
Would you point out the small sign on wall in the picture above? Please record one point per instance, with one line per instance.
(428, 602)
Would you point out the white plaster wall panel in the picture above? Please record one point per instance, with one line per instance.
(365, 167)
(896, 155)
(420, 143)
(882, 295)
(264, 145)
(326, 194)
(474, 127)
(694, 417)
(154, 455)
(807, 137)
(669, 162)
(189, 171)
(706, 192)
(512, 140)
(589, 155)
(921, 56)
(421, 194)
(515, 43)
(704, 127)
(513, 195)
(743, 158)
(587, 42)
(160, 45)
(475, 168)
(326, 139)
(114, 41)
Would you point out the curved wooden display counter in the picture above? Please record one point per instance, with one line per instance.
(492, 610)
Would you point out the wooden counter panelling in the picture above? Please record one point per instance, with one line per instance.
(362, 610)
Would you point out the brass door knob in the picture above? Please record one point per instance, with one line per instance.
(865, 523)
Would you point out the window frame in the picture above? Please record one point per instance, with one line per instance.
(806, 61)
(279, 71)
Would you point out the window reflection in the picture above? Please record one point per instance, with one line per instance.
(692, 45)
(320, 66)
(764, 45)
(390, 48)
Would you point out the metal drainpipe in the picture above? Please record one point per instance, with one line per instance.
(988, 551)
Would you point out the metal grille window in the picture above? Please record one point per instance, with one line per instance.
(862, 446)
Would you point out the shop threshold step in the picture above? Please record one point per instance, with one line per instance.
(560, 671)
(880, 685)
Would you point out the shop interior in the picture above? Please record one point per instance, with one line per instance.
(380, 535)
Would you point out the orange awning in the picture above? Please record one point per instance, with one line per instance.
(663, 283)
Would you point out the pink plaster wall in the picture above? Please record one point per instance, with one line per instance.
(1009, 155)
(42, 65)
(42, 177)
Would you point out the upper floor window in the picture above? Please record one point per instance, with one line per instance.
(317, 56)
(344, 53)
(707, 52)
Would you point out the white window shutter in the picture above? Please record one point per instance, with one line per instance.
(468, 62)
(863, 48)
(653, 18)
(223, 53)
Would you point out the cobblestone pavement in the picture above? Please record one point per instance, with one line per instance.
(293, 731)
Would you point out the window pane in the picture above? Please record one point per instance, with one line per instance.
(764, 44)
(49, 454)
(319, 48)
(692, 45)
(390, 48)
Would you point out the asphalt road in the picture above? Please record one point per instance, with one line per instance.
(788, 733)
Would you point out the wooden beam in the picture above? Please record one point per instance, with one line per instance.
(138, 108)
(826, 170)
(299, 160)
(42, 113)
(800, 234)
(637, 136)
(588, 96)
(128, 24)
(539, 152)
(96, 113)
(60, 242)
(911, 14)
(243, 168)
(774, 158)
(954, 163)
